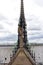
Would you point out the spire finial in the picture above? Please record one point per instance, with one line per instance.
(22, 9)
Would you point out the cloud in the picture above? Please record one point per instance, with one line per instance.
(5, 25)
(11, 37)
(39, 2)
(8, 40)
(36, 37)
(2, 17)
(9, 23)
(4, 31)
(37, 41)
(33, 25)
(33, 32)
(5, 20)
(34, 28)
(1, 27)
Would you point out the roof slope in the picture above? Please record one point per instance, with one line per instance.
(28, 56)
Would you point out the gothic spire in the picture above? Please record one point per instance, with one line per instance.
(22, 33)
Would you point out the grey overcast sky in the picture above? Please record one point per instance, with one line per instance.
(9, 19)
